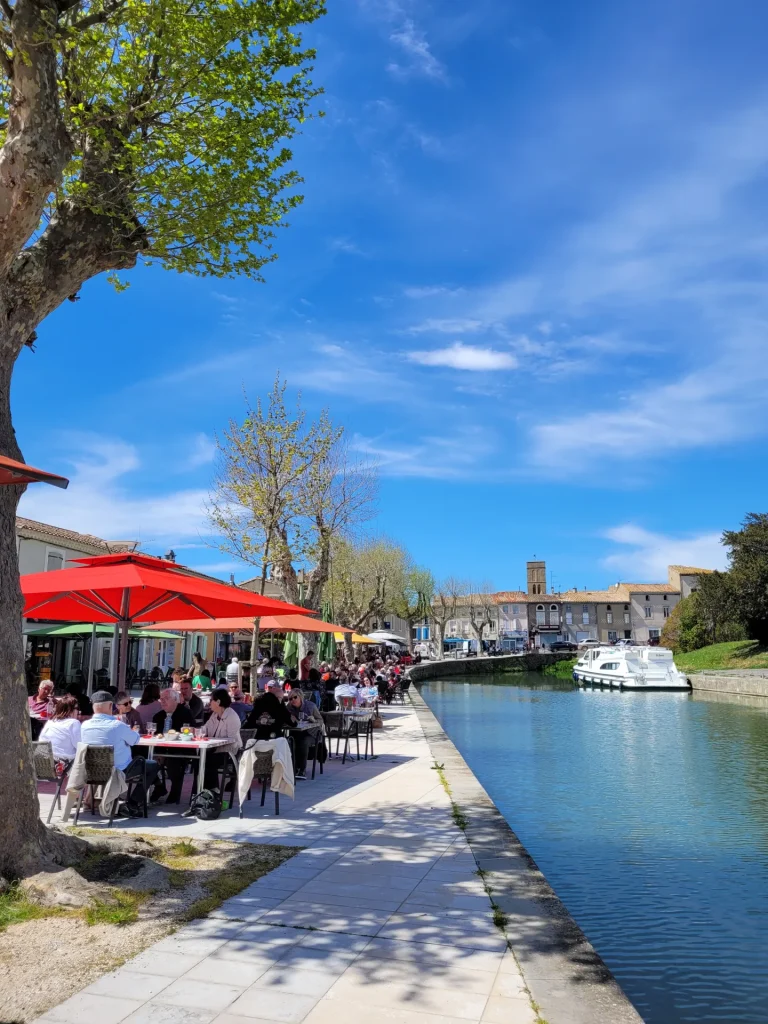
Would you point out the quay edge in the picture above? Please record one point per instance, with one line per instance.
(498, 665)
(568, 981)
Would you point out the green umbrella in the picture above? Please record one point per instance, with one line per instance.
(326, 645)
(291, 650)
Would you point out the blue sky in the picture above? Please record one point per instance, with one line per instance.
(529, 278)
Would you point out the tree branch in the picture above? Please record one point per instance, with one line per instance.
(37, 146)
(97, 18)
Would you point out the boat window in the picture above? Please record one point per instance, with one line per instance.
(610, 665)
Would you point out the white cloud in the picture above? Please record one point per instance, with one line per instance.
(99, 500)
(345, 245)
(645, 555)
(718, 404)
(447, 326)
(465, 357)
(421, 61)
(431, 291)
(460, 455)
(203, 452)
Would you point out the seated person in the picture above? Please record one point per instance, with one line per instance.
(302, 710)
(149, 704)
(269, 716)
(62, 730)
(173, 715)
(346, 693)
(38, 705)
(191, 701)
(127, 712)
(239, 703)
(85, 708)
(104, 729)
(224, 723)
(273, 686)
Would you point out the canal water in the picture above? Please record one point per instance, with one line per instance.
(648, 814)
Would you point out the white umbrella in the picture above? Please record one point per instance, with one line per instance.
(383, 636)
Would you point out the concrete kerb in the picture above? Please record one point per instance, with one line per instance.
(568, 981)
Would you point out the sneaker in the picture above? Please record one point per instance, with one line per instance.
(133, 811)
(300, 775)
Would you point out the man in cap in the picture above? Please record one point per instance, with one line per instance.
(106, 730)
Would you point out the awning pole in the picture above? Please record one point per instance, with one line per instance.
(113, 654)
(91, 659)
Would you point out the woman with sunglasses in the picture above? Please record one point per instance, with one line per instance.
(127, 711)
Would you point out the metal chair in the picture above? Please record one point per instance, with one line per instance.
(336, 728)
(362, 721)
(45, 766)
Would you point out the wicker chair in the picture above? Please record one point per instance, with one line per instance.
(99, 765)
(46, 770)
(262, 772)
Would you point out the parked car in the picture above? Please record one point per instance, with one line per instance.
(589, 643)
(562, 645)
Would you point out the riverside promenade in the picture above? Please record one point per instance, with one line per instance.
(382, 917)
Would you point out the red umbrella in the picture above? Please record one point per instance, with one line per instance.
(268, 623)
(127, 588)
(13, 472)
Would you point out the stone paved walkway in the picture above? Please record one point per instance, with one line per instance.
(381, 919)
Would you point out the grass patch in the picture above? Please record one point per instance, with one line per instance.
(560, 669)
(184, 848)
(16, 906)
(125, 909)
(736, 654)
(224, 886)
(499, 917)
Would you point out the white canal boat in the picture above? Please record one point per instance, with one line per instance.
(630, 668)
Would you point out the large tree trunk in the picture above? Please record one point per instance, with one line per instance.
(21, 834)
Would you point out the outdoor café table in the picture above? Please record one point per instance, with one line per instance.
(307, 727)
(187, 748)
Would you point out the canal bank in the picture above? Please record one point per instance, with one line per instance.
(503, 664)
(740, 682)
(568, 981)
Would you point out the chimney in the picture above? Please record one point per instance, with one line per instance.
(170, 556)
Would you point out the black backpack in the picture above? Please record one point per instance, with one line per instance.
(206, 805)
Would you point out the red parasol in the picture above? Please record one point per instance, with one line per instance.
(127, 588)
(267, 623)
(13, 472)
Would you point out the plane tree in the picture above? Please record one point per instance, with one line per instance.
(150, 131)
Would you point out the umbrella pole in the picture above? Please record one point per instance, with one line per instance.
(113, 654)
(124, 624)
(91, 659)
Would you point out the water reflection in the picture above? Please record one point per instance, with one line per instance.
(648, 813)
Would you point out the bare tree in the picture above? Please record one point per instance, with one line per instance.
(285, 490)
(481, 609)
(413, 599)
(445, 603)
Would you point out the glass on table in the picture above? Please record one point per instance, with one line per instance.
(150, 728)
(199, 733)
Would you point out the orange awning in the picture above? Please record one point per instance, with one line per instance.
(13, 472)
(267, 624)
